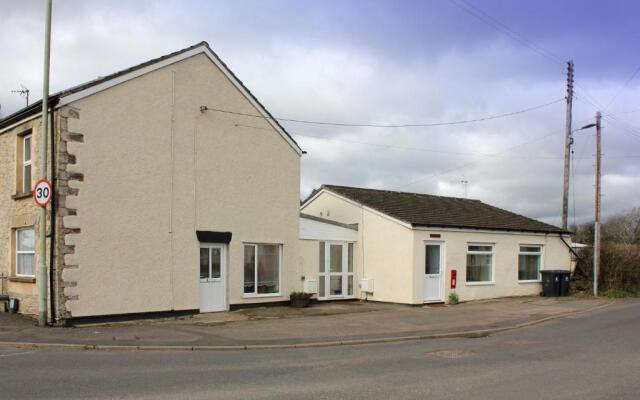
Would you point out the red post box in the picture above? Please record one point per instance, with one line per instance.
(454, 276)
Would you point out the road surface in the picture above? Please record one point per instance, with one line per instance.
(589, 356)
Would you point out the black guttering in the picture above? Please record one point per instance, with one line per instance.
(27, 112)
(475, 228)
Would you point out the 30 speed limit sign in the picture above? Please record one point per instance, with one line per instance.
(42, 192)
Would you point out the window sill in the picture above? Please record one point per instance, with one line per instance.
(480, 283)
(23, 279)
(531, 281)
(22, 195)
(258, 296)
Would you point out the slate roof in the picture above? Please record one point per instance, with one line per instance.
(424, 210)
(36, 107)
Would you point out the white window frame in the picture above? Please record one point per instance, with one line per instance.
(540, 264)
(33, 252)
(26, 186)
(492, 253)
(345, 274)
(255, 293)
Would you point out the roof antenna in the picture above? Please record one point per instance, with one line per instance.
(464, 183)
(24, 92)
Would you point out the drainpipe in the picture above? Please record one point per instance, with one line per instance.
(52, 225)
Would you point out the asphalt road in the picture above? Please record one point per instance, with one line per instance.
(588, 356)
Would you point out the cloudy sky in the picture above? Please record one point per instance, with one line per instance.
(387, 63)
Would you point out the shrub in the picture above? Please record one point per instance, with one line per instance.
(453, 298)
(300, 295)
(619, 269)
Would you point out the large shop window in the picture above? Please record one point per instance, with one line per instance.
(262, 269)
(529, 263)
(25, 252)
(480, 263)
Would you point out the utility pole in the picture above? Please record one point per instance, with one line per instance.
(596, 230)
(44, 133)
(568, 141)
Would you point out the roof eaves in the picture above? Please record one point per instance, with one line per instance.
(460, 226)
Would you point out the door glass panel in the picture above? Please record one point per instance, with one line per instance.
(321, 292)
(350, 286)
(336, 286)
(216, 262)
(432, 264)
(350, 258)
(204, 263)
(321, 258)
(335, 258)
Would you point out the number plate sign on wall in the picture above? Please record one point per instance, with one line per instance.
(42, 192)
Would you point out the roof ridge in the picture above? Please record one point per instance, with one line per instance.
(401, 192)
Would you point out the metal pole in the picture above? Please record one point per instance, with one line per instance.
(596, 228)
(44, 133)
(567, 146)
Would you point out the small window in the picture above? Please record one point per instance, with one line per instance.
(529, 263)
(25, 252)
(480, 263)
(262, 269)
(24, 162)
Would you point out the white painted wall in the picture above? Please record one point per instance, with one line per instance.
(507, 245)
(393, 254)
(137, 250)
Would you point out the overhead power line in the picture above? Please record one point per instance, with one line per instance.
(436, 174)
(499, 26)
(624, 86)
(364, 125)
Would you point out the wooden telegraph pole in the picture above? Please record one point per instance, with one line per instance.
(596, 230)
(568, 140)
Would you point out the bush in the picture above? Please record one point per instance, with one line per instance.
(453, 298)
(300, 295)
(619, 269)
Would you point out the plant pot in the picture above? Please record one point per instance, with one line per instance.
(299, 302)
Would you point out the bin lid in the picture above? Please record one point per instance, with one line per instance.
(554, 271)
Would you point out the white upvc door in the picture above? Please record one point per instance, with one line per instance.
(433, 272)
(336, 275)
(213, 277)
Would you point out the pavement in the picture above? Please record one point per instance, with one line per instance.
(591, 355)
(325, 324)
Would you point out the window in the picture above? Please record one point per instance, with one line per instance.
(480, 263)
(25, 252)
(262, 269)
(23, 181)
(336, 270)
(529, 263)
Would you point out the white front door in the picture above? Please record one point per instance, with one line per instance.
(213, 282)
(433, 272)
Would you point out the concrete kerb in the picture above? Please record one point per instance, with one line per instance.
(477, 333)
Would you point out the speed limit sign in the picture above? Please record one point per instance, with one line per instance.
(42, 192)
